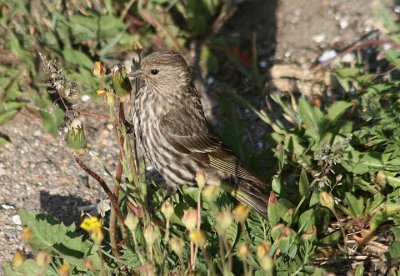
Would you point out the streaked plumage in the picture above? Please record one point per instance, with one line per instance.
(170, 125)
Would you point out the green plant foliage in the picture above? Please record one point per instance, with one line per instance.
(333, 170)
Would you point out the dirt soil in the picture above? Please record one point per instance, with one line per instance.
(38, 173)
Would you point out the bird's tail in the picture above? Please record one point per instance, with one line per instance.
(248, 194)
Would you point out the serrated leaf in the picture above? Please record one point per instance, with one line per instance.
(53, 236)
(29, 268)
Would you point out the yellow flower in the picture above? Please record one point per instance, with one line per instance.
(101, 92)
(198, 238)
(137, 47)
(99, 70)
(27, 234)
(91, 224)
(97, 235)
(64, 270)
(241, 212)
(18, 259)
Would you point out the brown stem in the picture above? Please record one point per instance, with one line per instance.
(361, 45)
(107, 190)
(92, 114)
(118, 177)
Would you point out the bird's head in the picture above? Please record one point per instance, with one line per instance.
(162, 70)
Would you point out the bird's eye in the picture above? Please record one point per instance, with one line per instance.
(154, 71)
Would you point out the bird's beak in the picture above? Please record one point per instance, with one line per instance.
(135, 74)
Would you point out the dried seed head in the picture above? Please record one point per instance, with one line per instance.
(131, 221)
(177, 245)
(150, 234)
(167, 209)
(43, 259)
(190, 219)
(223, 220)
(326, 200)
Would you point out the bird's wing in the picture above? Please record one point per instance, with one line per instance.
(189, 133)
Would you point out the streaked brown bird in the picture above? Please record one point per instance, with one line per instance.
(170, 124)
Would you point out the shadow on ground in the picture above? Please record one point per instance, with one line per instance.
(63, 208)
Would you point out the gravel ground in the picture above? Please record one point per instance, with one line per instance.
(38, 173)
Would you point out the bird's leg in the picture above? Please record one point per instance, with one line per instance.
(158, 206)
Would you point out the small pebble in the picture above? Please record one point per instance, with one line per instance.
(319, 38)
(344, 23)
(327, 55)
(16, 219)
(387, 46)
(85, 98)
(263, 63)
(7, 207)
(348, 58)
(150, 168)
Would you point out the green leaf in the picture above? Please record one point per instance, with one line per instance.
(332, 239)
(29, 268)
(273, 215)
(307, 219)
(312, 118)
(10, 105)
(356, 206)
(304, 184)
(52, 121)
(77, 57)
(337, 110)
(347, 73)
(6, 116)
(359, 270)
(4, 139)
(53, 236)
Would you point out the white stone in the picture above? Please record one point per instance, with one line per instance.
(85, 98)
(327, 55)
(16, 219)
(319, 38)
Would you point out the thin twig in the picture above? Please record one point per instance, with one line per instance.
(364, 44)
(107, 190)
